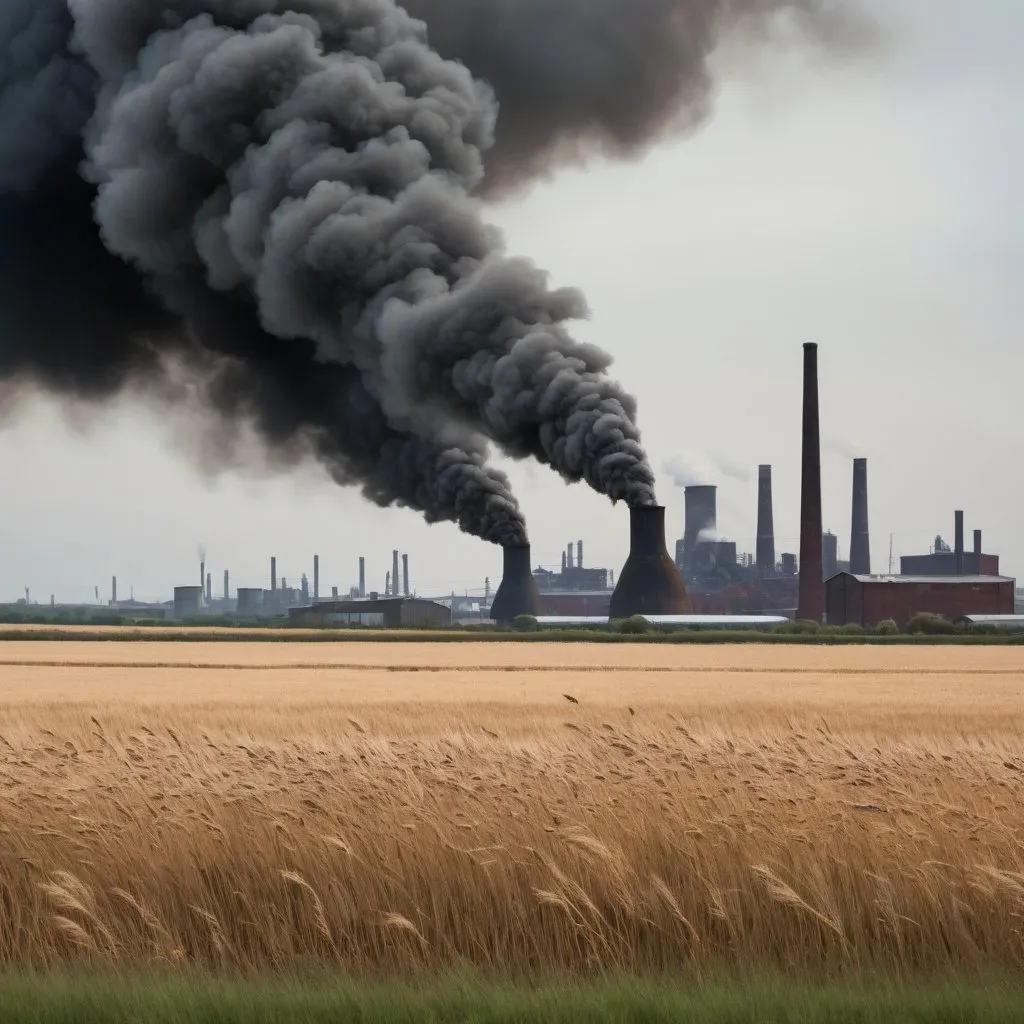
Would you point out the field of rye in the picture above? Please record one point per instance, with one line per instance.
(396, 808)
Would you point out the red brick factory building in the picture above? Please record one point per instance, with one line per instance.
(868, 600)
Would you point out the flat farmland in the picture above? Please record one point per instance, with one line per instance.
(417, 806)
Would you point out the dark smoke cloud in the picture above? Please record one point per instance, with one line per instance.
(291, 185)
(579, 77)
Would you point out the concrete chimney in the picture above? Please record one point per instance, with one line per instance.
(568, 556)
(362, 576)
(860, 539)
(517, 594)
(977, 552)
(316, 578)
(113, 590)
(227, 589)
(649, 583)
(394, 573)
(765, 522)
(273, 573)
(209, 588)
(405, 575)
(202, 577)
(565, 562)
(579, 554)
(812, 588)
(701, 514)
(958, 545)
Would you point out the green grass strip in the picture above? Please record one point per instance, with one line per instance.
(93, 999)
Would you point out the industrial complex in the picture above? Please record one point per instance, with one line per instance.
(704, 577)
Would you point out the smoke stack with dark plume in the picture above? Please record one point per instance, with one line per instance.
(649, 583)
(517, 595)
(278, 197)
(860, 538)
(765, 522)
(812, 587)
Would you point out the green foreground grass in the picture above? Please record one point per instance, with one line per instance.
(96, 999)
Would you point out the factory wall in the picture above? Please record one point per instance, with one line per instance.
(394, 613)
(866, 601)
(943, 563)
(578, 603)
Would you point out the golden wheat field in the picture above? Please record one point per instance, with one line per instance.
(405, 806)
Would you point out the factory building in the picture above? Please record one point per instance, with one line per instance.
(955, 561)
(380, 613)
(867, 600)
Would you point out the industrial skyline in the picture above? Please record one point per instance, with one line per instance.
(871, 213)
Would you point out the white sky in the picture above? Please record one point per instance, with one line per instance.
(874, 208)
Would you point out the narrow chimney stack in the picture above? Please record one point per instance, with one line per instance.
(227, 589)
(113, 590)
(202, 577)
(977, 552)
(579, 554)
(405, 575)
(701, 502)
(565, 562)
(273, 573)
(209, 588)
(649, 583)
(958, 546)
(568, 555)
(517, 595)
(362, 576)
(812, 587)
(394, 573)
(860, 537)
(765, 522)
(316, 578)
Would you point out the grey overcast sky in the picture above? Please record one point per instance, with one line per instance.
(873, 207)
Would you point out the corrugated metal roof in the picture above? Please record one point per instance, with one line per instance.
(720, 621)
(930, 579)
(1002, 621)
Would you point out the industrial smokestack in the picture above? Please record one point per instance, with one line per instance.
(394, 573)
(316, 578)
(227, 589)
(113, 590)
(202, 577)
(977, 551)
(568, 555)
(405, 575)
(517, 594)
(209, 588)
(860, 542)
(958, 546)
(765, 522)
(812, 587)
(579, 554)
(565, 562)
(362, 576)
(273, 573)
(649, 583)
(701, 515)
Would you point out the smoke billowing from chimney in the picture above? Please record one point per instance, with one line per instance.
(574, 78)
(278, 196)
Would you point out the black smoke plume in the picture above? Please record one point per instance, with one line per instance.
(611, 77)
(291, 183)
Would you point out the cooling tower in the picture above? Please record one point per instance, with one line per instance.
(517, 594)
(649, 583)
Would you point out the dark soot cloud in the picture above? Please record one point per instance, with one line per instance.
(281, 196)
